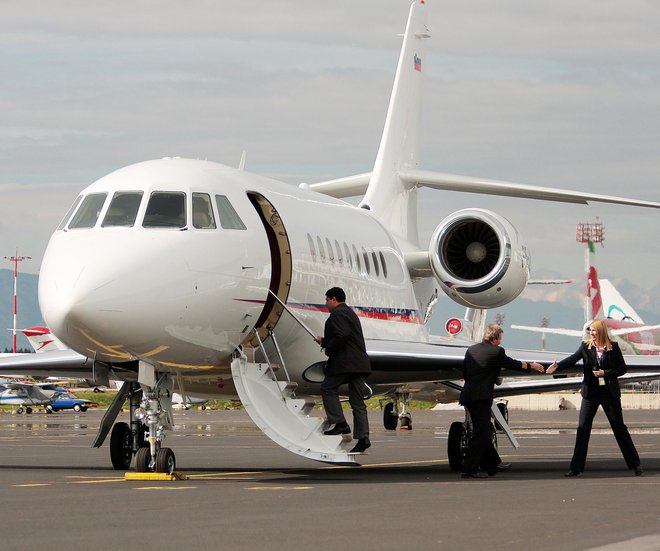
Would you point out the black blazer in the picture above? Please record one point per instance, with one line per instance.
(481, 368)
(344, 343)
(612, 363)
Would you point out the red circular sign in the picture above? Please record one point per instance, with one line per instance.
(454, 326)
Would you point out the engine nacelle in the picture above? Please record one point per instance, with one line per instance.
(478, 258)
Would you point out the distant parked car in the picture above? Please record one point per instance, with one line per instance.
(67, 400)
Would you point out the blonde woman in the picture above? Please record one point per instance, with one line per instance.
(603, 363)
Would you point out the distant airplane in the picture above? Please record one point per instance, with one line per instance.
(24, 395)
(171, 275)
(603, 301)
(42, 340)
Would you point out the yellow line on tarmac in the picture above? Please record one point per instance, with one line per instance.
(99, 481)
(281, 488)
(30, 485)
(167, 488)
(214, 475)
(87, 477)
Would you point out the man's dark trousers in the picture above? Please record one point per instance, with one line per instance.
(480, 452)
(356, 392)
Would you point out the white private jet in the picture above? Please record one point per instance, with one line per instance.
(171, 274)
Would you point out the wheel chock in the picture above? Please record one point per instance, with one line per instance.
(154, 476)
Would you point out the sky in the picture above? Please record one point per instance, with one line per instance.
(563, 94)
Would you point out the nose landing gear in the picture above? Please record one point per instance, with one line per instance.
(150, 417)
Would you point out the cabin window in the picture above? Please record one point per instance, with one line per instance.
(365, 257)
(67, 216)
(202, 212)
(123, 209)
(312, 249)
(166, 209)
(382, 261)
(349, 259)
(357, 259)
(89, 211)
(375, 259)
(331, 253)
(229, 218)
(321, 249)
(340, 259)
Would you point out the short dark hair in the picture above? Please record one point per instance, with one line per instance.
(336, 293)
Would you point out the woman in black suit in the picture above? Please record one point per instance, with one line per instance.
(603, 363)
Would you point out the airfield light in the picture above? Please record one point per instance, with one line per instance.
(16, 259)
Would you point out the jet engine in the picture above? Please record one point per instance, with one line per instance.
(478, 258)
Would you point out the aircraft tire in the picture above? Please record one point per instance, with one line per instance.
(165, 461)
(28, 410)
(390, 416)
(455, 450)
(142, 458)
(121, 446)
(19, 410)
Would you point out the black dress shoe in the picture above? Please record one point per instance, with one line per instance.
(339, 428)
(474, 475)
(572, 474)
(503, 467)
(361, 446)
(639, 471)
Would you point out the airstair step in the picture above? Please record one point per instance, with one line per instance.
(284, 418)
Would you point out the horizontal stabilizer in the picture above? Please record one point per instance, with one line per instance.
(350, 186)
(468, 184)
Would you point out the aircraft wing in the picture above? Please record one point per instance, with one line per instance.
(550, 330)
(638, 329)
(357, 185)
(58, 363)
(516, 386)
(403, 356)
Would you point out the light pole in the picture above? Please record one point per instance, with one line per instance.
(16, 259)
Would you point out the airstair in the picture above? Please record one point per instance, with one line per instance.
(283, 417)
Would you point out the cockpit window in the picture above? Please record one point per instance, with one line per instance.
(89, 211)
(123, 209)
(229, 218)
(70, 212)
(202, 212)
(166, 209)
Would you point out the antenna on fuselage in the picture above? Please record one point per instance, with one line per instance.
(241, 163)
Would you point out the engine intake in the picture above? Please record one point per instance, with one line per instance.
(478, 258)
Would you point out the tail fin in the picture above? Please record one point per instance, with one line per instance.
(42, 340)
(393, 202)
(615, 306)
(594, 302)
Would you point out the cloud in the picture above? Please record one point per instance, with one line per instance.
(564, 94)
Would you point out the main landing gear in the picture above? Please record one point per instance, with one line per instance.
(458, 440)
(392, 417)
(150, 417)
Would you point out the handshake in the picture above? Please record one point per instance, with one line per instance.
(540, 369)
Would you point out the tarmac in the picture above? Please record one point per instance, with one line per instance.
(244, 492)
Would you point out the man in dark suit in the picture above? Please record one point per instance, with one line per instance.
(348, 363)
(481, 368)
